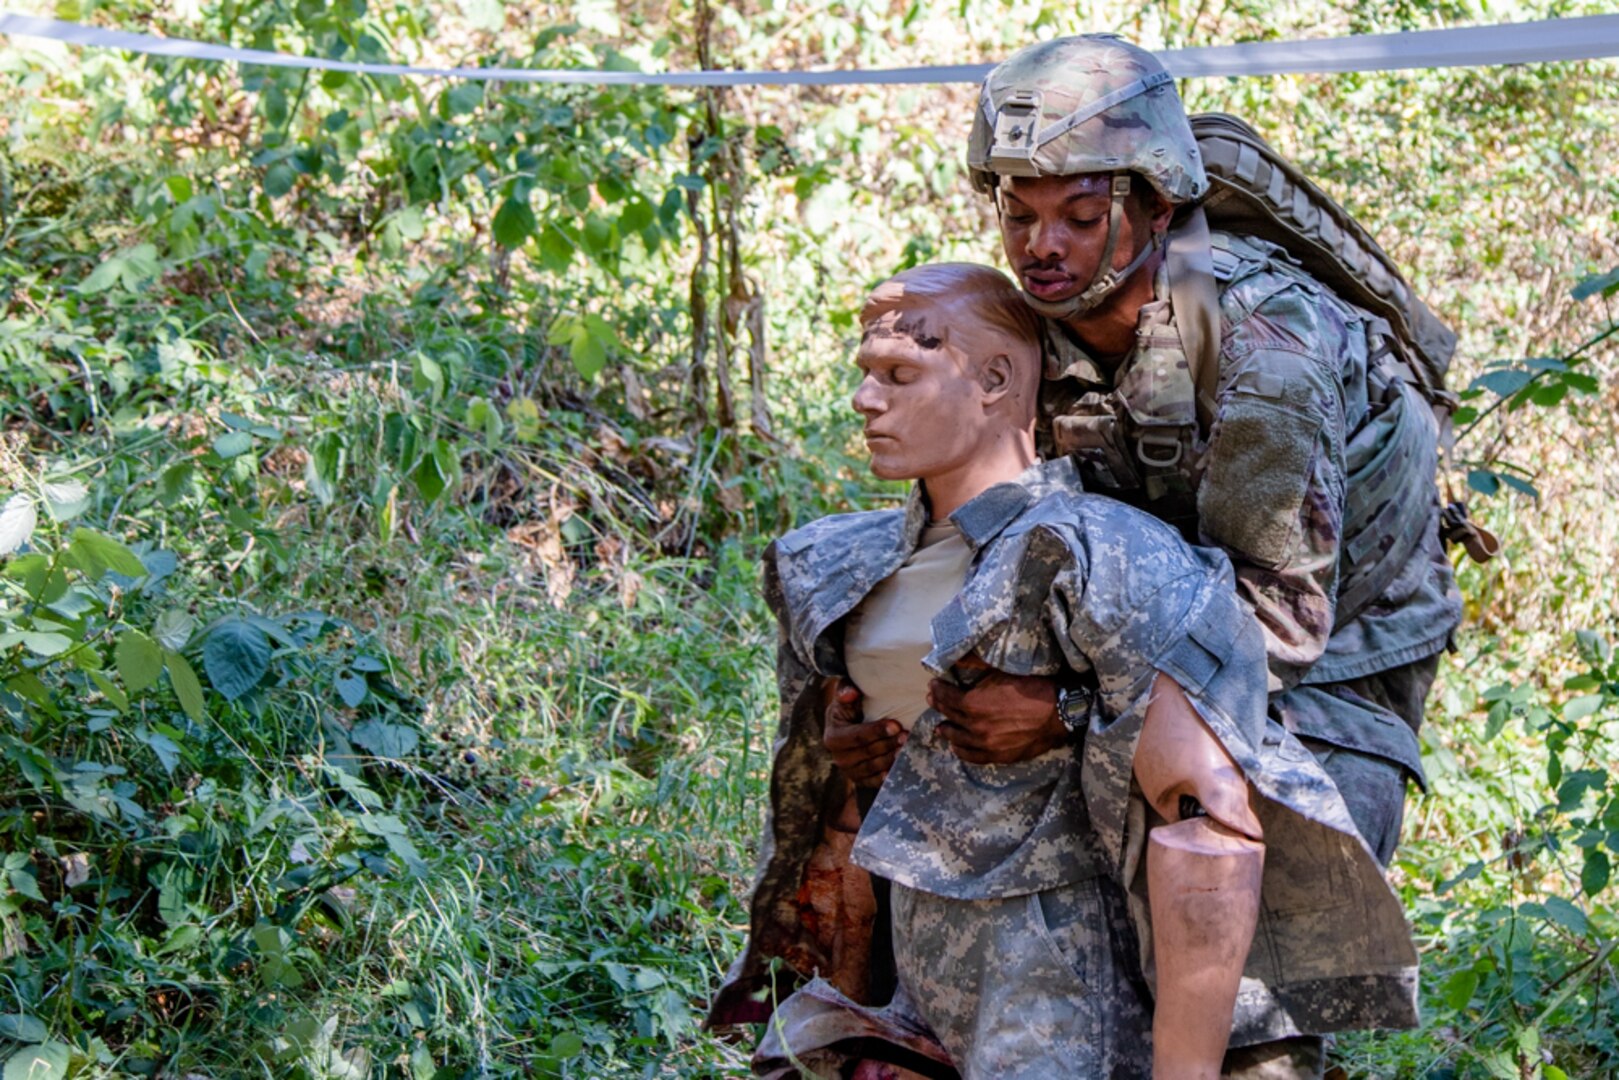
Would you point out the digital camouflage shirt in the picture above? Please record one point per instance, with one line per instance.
(1061, 581)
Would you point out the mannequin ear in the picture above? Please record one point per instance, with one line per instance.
(995, 377)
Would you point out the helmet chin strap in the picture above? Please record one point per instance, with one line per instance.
(1107, 279)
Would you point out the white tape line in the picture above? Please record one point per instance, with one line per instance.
(1585, 38)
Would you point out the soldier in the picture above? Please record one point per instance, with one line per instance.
(1017, 887)
(1308, 459)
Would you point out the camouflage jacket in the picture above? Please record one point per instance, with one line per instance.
(1065, 581)
(1312, 434)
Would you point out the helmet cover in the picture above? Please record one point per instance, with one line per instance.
(1088, 104)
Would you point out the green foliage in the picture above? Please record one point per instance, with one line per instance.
(383, 688)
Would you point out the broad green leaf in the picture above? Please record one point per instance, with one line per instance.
(1522, 487)
(172, 905)
(186, 685)
(139, 660)
(20, 1028)
(1577, 709)
(1459, 989)
(386, 740)
(236, 656)
(1484, 481)
(233, 444)
(24, 882)
(392, 831)
(556, 248)
(525, 417)
(1548, 394)
(428, 375)
(565, 1045)
(464, 98)
(563, 330)
(39, 642)
(279, 178)
(1503, 381)
(636, 216)
(1571, 792)
(1595, 873)
(1594, 648)
(173, 629)
(1565, 914)
(96, 553)
(1606, 284)
(17, 520)
(429, 479)
(47, 1061)
(66, 499)
(410, 224)
(514, 222)
(111, 691)
(103, 277)
(589, 355)
(351, 688)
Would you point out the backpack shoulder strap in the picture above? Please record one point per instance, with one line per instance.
(1189, 259)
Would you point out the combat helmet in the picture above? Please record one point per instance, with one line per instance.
(1088, 104)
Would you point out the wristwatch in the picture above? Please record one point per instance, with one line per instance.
(1074, 709)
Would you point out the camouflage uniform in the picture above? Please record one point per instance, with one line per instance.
(1309, 436)
(1313, 467)
(1061, 582)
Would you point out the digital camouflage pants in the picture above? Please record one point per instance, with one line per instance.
(1022, 988)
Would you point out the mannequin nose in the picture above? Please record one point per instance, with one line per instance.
(867, 400)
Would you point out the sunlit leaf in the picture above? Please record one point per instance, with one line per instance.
(97, 554)
(139, 660)
(17, 520)
(66, 499)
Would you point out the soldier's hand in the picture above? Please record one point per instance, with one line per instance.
(863, 752)
(1002, 719)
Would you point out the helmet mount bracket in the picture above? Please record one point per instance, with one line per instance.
(1016, 135)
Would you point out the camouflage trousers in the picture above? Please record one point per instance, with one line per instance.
(1035, 986)
(1039, 986)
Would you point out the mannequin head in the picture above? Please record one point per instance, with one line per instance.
(951, 358)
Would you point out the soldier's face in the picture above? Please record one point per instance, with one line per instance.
(1054, 230)
(920, 396)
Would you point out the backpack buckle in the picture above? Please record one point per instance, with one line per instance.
(1168, 450)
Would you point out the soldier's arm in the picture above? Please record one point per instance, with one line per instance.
(862, 751)
(1272, 494)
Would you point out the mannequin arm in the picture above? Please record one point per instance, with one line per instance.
(1203, 883)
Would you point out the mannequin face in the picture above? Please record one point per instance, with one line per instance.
(927, 409)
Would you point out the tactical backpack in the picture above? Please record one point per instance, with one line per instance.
(1254, 191)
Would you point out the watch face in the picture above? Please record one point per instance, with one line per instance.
(1072, 705)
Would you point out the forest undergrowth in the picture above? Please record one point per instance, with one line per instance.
(384, 688)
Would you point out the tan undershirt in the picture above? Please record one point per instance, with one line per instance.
(889, 632)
